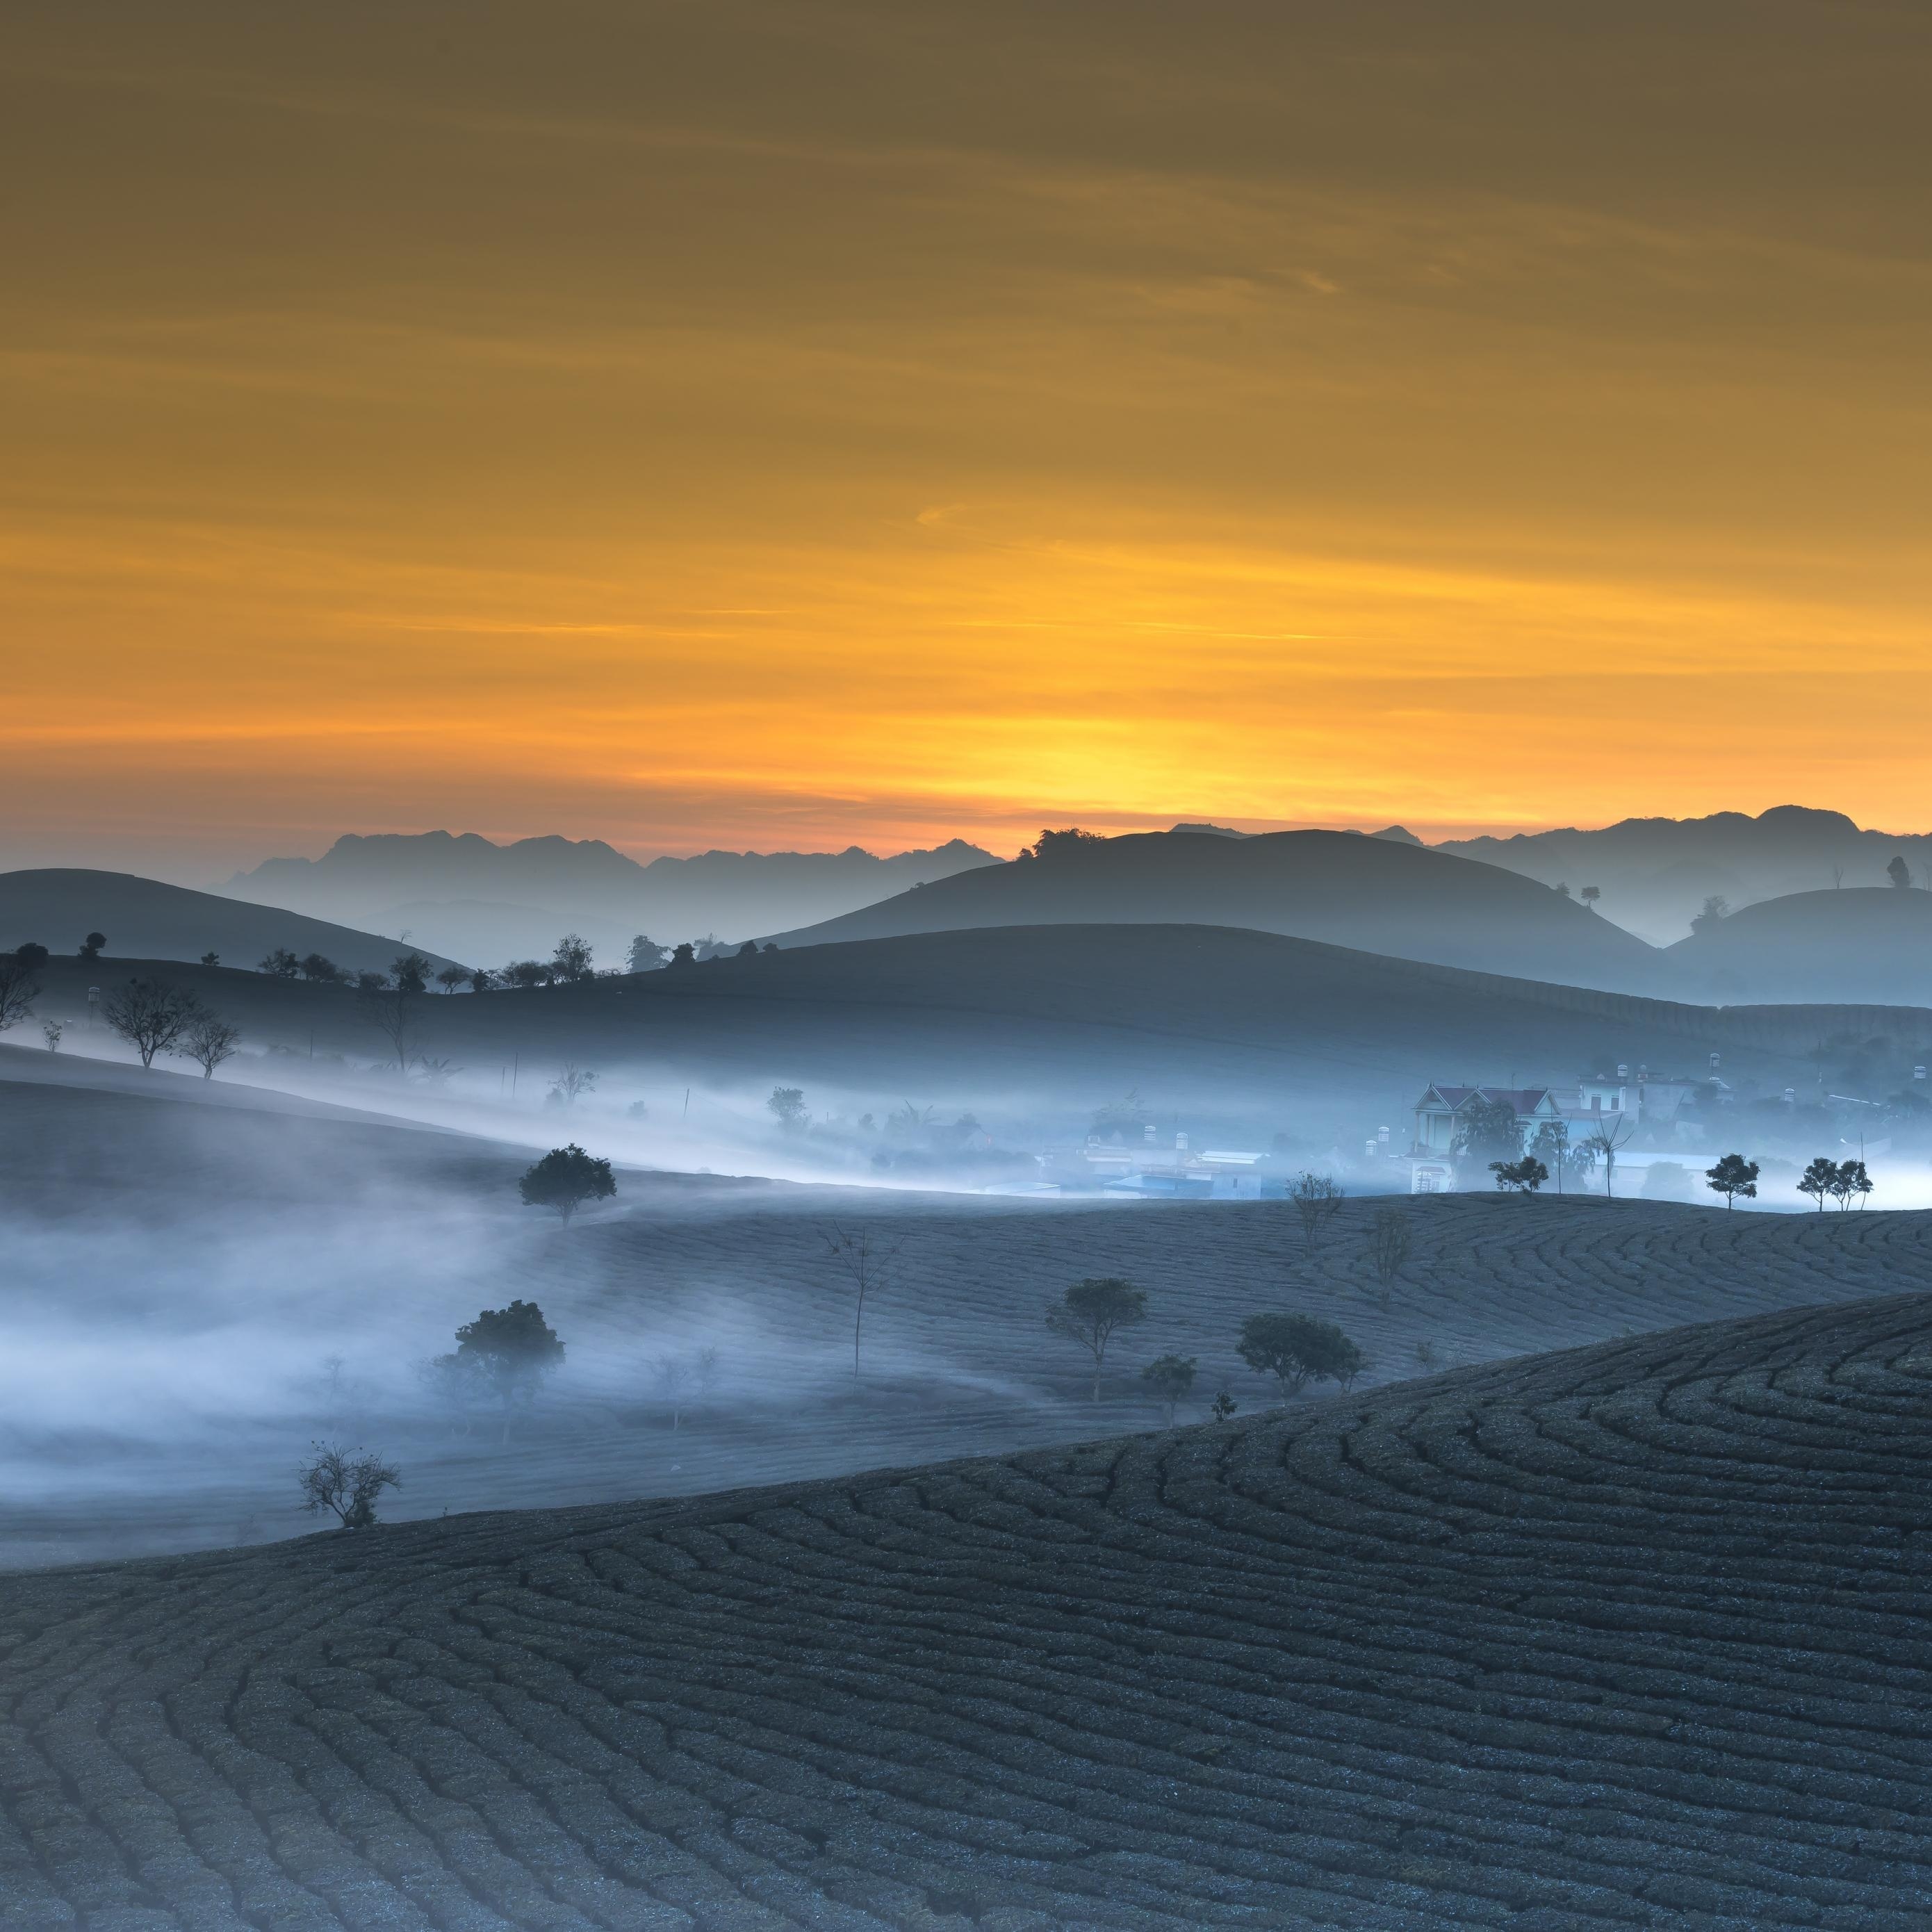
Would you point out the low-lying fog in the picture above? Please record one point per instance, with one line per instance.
(184, 1314)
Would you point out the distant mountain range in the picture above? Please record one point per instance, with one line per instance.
(1376, 894)
(1655, 874)
(485, 902)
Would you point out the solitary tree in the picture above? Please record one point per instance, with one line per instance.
(1550, 1144)
(1818, 1180)
(787, 1106)
(1169, 1378)
(151, 1016)
(210, 959)
(318, 966)
(564, 1180)
(645, 955)
(346, 1483)
(1091, 1310)
(51, 1031)
(528, 974)
(1898, 872)
(19, 990)
(208, 1041)
(1388, 1247)
(870, 1262)
(391, 1011)
(280, 965)
(1590, 895)
(572, 1081)
(1519, 1176)
(514, 1348)
(1716, 909)
(1223, 1405)
(451, 977)
(1318, 1199)
(571, 961)
(1296, 1349)
(90, 947)
(1732, 1175)
(1602, 1144)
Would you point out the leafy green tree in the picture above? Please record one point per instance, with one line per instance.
(150, 1015)
(787, 1106)
(684, 954)
(319, 968)
(1519, 1176)
(1169, 1378)
(528, 974)
(1550, 1144)
(514, 1348)
(1818, 1181)
(564, 1180)
(571, 961)
(1070, 843)
(1091, 1312)
(1716, 909)
(1486, 1130)
(280, 965)
(1732, 1175)
(451, 977)
(1899, 872)
(1223, 1405)
(645, 955)
(1296, 1349)
(90, 947)
(1590, 895)
(1851, 1183)
(482, 980)
(410, 973)
(346, 1484)
(210, 959)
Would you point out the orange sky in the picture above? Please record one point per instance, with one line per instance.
(787, 425)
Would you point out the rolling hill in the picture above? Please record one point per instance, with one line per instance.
(1655, 874)
(1628, 1636)
(1235, 1023)
(1374, 895)
(1864, 942)
(143, 918)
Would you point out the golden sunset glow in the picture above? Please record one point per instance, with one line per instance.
(784, 425)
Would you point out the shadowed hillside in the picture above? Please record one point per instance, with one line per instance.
(1655, 873)
(1202, 1014)
(1868, 942)
(1376, 894)
(1630, 1636)
(143, 918)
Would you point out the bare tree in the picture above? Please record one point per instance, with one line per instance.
(151, 1016)
(673, 1376)
(208, 1041)
(1389, 1238)
(19, 990)
(347, 1483)
(571, 1081)
(1317, 1198)
(870, 1262)
(391, 1011)
(51, 1031)
(1604, 1143)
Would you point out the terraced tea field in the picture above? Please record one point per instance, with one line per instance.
(1633, 1635)
(956, 1358)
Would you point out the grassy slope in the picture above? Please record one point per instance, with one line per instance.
(1628, 1637)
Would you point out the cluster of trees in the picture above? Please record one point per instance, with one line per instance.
(1294, 1348)
(151, 1016)
(1842, 1181)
